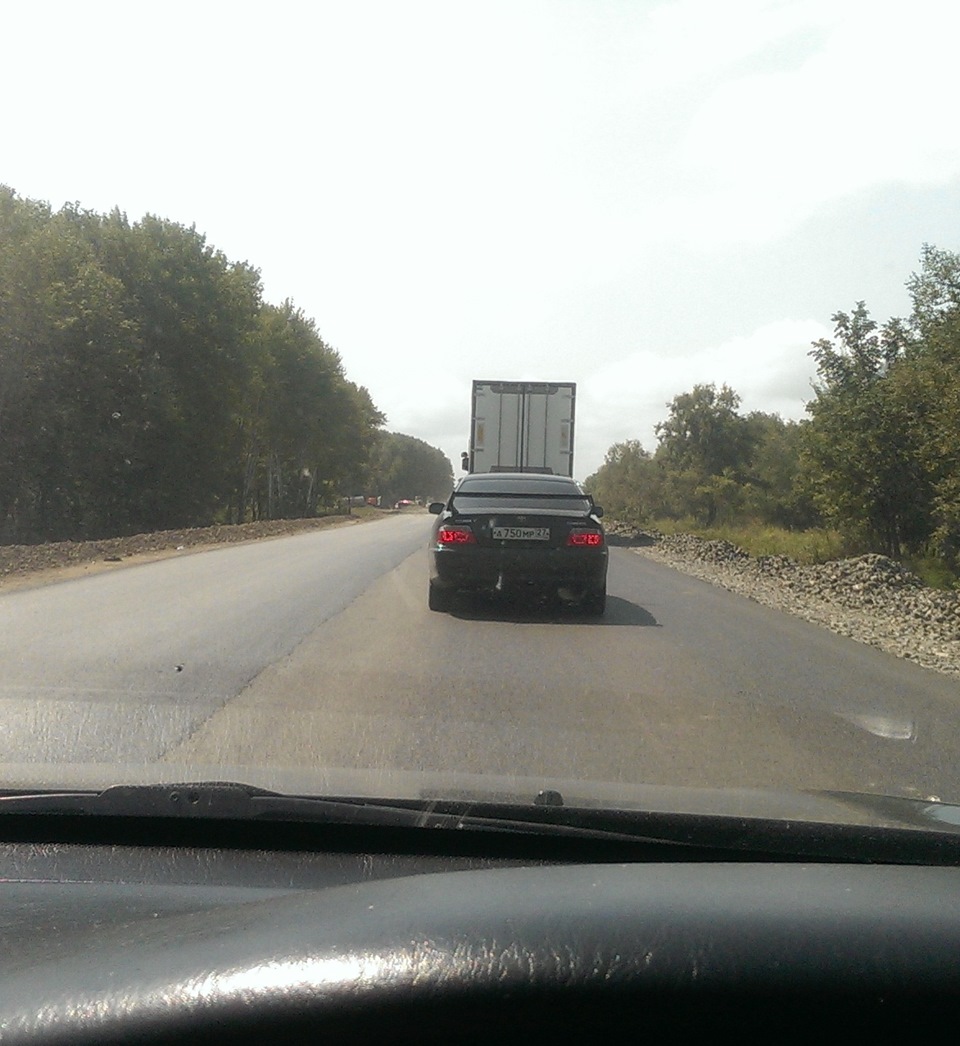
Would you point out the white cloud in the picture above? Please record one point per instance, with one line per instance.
(874, 104)
(770, 369)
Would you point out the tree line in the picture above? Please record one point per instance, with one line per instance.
(877, 457)
(145, 384)
(403, 466)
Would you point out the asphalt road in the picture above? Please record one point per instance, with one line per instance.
(319, 651)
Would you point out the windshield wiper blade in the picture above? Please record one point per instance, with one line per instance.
(631, 834)
(230, 800)
(227, 800)
(233, 801)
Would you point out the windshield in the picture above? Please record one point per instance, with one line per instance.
(670, 289)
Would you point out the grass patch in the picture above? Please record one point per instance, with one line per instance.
(932, 571)
(803, 546)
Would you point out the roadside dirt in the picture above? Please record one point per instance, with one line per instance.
(29, 566)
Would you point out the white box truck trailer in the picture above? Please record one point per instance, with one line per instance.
(522, 426)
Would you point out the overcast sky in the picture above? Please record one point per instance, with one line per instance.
(636, 196)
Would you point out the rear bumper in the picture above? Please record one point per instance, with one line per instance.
(498, 569)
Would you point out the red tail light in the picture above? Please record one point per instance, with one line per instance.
(456, 536)
(585, 538)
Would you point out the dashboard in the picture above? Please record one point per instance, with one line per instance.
(407, 936)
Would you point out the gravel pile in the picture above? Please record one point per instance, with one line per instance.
(870, 598)
(24, 560)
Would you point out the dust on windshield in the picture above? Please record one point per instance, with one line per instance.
(257, 317)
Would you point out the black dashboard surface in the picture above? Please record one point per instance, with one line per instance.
(167, 944)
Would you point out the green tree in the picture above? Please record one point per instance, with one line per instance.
(704, 431)
(863, 446)
(304, 430)
(69, 379)
(704, 448)
(196, 313)
(622, 483)
(406, 467)
(144, 384)
(774, 491)
(929, 380)
(935, 291)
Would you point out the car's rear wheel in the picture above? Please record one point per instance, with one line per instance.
(438, 598)
(595, 603)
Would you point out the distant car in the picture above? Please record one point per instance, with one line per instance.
(517, 534)
(403, 503)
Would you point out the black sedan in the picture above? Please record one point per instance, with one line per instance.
(519, 534)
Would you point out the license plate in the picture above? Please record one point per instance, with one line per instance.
(521, 533)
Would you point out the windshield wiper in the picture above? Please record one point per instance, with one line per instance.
(232, 801)
(645, 835)
(217, 800)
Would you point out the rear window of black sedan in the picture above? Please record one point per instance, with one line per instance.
(490, 492)
(514, 485)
